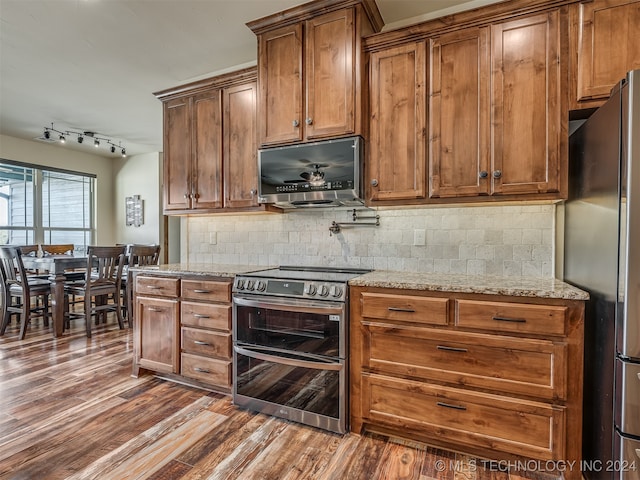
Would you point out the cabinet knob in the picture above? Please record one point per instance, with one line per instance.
(374, 183)
(186, 195)
(483, 174)
(253, 192)
(295, 123)
(497, 173)
(309, 120)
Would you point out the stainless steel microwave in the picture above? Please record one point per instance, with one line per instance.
(318, 174)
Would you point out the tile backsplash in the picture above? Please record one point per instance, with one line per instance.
(509, 240)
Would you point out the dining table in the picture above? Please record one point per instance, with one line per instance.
(56, 266)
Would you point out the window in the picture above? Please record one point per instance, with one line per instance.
(38, 205)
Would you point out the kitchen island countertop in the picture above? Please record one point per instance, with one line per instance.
(485, 284)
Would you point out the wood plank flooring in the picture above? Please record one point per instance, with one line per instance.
(69, 409)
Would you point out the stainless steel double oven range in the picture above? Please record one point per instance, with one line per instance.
(290, 330)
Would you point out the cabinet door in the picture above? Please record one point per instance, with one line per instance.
(609, 31)
(207, 148)
(397, 161)
(177, 154)
(526, 105)
(330, 74)
(240, 146)
(280, 94)
(157, 336)
(459, 114)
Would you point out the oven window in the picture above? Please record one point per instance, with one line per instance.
(307, 389)
(302, 332)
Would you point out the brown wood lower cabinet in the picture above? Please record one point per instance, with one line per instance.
(494, 376)
(182, 328)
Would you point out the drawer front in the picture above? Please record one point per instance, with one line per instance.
(511, 317)
(209, 290)
(206, 315)
(492, 422)
(491, 362)
(165, 287)
(405, 308)
(207, 370)
(206, 342)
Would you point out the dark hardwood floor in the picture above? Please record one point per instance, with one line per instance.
(70, 409)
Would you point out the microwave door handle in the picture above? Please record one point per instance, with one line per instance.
(321, 308)
(286, 361)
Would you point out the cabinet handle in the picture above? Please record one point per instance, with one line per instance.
(507, 319)
(448, 405)
(497, 174)
(483, 174)
(186, 195)
(153, 287)
(201, 370)
(374, 183)
(200, 342)
(397, 309)
(199, 315)
(309, 121)
(451, 349)
(155, 309)
(201, 291)
(295, 123)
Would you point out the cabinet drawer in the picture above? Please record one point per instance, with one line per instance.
(208, 370)
(206, 315)
(405, 308)
(210, 290)
(530, 429)
(206, 342)
(491, 362)
(165, 287)
(511, 317)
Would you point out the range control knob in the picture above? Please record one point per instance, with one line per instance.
(311, 290)
(240, 284)
(249, 284)
(260, 286)
(324, 291)
(336, 291)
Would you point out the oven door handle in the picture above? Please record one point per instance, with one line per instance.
(286, 361)
(324, 308)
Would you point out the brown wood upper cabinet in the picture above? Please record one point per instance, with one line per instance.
(397, 164)
(309, 71)
(210, 145)
(459, 106)
(491, 106)
(193, 152)
(606, 35)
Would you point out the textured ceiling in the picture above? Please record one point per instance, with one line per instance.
(93, 64)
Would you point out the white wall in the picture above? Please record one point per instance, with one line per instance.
(58, 156)
(139, 175)
(507, 240)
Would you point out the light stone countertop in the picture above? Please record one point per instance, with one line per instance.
(203, 269)
(485, 284)
(435, 282)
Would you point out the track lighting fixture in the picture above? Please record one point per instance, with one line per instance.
(62, 136)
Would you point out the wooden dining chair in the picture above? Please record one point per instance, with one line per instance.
(58, 249)
(138, 255)
(17, 290)
(102, 282)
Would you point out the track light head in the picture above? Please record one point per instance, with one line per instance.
(124, 153)
(96, 143)
(80, 139)
(113, 149)
(47, 133)
(62, 139)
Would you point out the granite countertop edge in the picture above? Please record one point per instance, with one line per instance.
(436, 282)
(484, 284)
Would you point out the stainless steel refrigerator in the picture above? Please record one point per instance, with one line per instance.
(602, 256)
